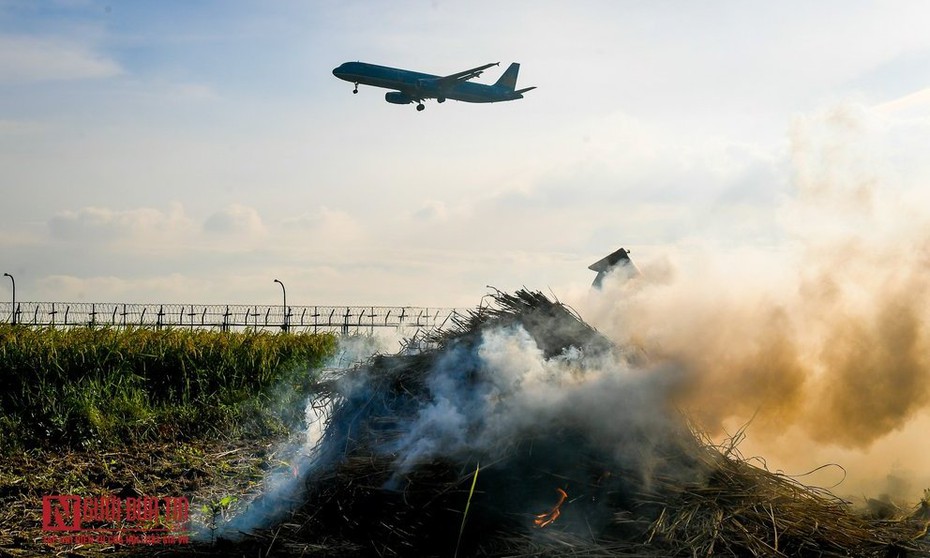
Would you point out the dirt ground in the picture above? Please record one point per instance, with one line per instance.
(212, 475)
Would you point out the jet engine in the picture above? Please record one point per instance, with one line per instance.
(398, 98)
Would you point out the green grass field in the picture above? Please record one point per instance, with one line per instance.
(106, 387)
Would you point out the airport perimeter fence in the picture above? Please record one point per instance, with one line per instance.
(346, 320)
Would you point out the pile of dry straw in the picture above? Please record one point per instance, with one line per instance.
(639, 481)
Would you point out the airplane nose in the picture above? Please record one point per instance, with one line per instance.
(338, 71)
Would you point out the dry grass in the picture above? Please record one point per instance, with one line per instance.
(203, 471)
(723, 506)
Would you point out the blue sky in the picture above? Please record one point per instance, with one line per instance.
(192, 152)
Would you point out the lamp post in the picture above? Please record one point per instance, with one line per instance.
(284, 291)
(14, 296)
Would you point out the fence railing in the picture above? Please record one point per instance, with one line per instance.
(342, 319)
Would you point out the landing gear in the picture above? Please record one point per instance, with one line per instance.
(420, 106)
(355, 91)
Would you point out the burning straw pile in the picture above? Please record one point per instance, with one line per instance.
(524, 432)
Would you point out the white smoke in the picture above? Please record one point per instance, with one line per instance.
(295, 458)
(517, 394)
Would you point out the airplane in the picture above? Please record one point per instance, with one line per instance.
(415, 86)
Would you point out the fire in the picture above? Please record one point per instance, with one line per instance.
(545, 519)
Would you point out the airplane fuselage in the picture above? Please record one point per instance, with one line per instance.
(418, 86)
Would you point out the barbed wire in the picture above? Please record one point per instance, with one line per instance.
(344, 319)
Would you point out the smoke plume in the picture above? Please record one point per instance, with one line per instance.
(821, 341)
(282, 487)
(478, 409)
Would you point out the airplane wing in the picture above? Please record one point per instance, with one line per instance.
(452, 79)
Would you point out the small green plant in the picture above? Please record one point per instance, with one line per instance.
(217, 508)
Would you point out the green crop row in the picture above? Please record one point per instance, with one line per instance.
(81, 387)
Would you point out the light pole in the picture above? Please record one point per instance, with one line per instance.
(284, 291)
(14, 296)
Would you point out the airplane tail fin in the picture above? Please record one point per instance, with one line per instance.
(509, 78)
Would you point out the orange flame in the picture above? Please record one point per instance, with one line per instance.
(545, 519)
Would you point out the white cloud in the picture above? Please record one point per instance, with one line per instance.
(235, 219)
(432, 211)
(112, 225)
(25, 59)
(328, 228)
(165, 288)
